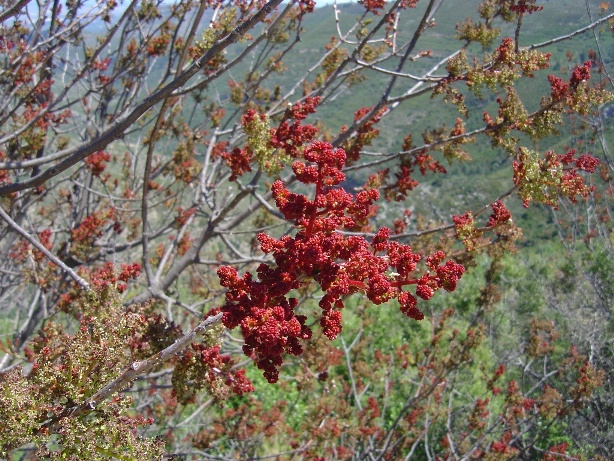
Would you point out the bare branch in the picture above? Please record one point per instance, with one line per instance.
(117, 130)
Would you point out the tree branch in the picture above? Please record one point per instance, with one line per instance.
(54, 259)
(139, 368)
(116, 131)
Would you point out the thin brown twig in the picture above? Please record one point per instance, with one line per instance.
(54, 259)
(116, 131)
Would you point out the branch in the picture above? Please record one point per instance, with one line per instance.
(13, 11)
(54, 259)
(116, 130)
(139, 368)
(191, 255)
(346, 351)
(385, 99)
(592, 25)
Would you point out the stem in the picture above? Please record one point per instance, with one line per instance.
(314, 212)
(136, 369)
(54, 259)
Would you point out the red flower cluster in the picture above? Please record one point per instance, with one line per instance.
(581, 74)
(478, 417)
(102, 279)
(341, 265)
(560, 90)
(584, 162)
(107, 275)
(306, 6)
(291, 137)
(556, 452)
(267, 319)
(238, 161)
(506, 52)
(156, 46)
(91, 227)
(500, 214)
(404, 181)
(503, 446)
(373, 6)
(222, 364)
(365, 133)
(495, 377)
(97, 162)
(525, 6)
(129, 271)
(464, 225)
(101, 65)
(183, 216)
(408, 4)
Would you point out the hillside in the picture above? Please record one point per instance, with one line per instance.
(467, 185)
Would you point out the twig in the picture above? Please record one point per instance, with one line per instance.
(54, 259)
(115, 131)
(13, 11)
(571, 35)
(138, 368)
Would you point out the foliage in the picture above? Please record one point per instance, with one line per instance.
(200, 199)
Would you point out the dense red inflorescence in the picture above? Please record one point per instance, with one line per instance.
(340, 264)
